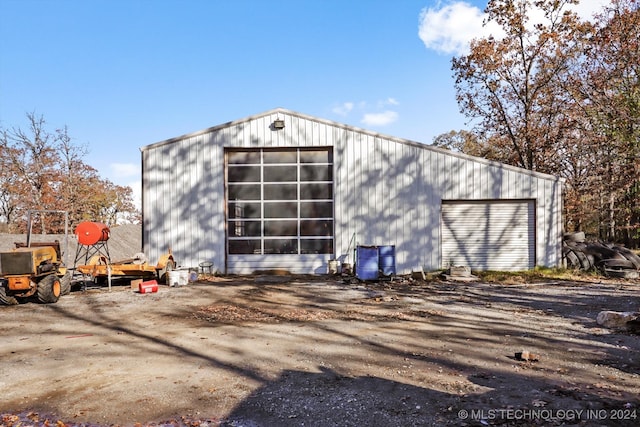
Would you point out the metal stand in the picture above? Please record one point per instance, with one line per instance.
(205, 267)
(88, 251)
(85, 252)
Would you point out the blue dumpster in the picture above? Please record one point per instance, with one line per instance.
(387, 260)
(367, 262)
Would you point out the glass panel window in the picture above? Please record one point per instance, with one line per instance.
(316, 173)
(280, 246)
(316, 246)
(280, 228)
(244, 174)
(245, 246)
(243, 157)
(280, 192)
(245, 228)
(281, 210)
(244, 192)
(239, 210)
(280, 156)
(316, 156)
(280, 173)
(316, 209)
(316, 191)
(316, 228)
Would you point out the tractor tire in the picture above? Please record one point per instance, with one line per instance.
(572, 259)
(6, 299)
(49, 289)
(65, 284)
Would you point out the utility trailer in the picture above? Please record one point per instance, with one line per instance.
(100, 269)
(94, 261)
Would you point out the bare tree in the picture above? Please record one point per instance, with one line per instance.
(45, 170)
(9, 186)
(563, 97)
(510, 84)
(606, 86)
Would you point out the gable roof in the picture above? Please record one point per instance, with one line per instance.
(339, 125)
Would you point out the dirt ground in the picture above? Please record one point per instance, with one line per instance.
(321, 351)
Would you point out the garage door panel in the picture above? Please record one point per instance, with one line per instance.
(495, 236)
(489, 235)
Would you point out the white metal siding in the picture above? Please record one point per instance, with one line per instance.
(183, 209)
(387, 191)
(489, 235)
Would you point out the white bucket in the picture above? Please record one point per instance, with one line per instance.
(178, 277)
(333, 267)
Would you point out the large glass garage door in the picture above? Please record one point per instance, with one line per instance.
(279, 201)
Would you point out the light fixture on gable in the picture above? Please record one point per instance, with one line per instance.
(278, 124)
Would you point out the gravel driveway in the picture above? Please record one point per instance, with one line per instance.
(319, 351)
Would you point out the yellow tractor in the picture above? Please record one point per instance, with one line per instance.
(28, 271)
(34, 269)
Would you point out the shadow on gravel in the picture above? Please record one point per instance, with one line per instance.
(168, 346)
(330, 399)
(327, 398)
(483, 388)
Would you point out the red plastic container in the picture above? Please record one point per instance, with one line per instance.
(148, 287)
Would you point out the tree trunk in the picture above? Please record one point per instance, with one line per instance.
(612, 217)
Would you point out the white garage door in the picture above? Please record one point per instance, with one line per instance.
(489, 235)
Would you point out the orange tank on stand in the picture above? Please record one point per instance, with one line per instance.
(90, 233)
(93, 259)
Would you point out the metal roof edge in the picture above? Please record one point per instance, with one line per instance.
(417, 144)
(423, 145)
(213, 128)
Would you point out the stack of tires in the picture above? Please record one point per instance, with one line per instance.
(610, 259)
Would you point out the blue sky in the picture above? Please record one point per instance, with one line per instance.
(122, 74)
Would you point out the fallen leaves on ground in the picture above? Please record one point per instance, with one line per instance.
(231, 313)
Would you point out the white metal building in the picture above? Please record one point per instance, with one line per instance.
(284, 190)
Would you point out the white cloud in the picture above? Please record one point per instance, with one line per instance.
(128, 175)
(587, 8)
(380, 116)
(122, 170)
(388, 101)
(136, 195)
(449, 29)
(344, 108)
(380, 119)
